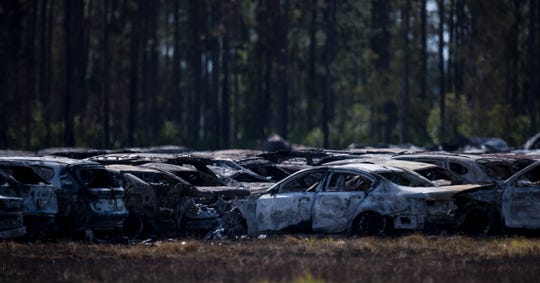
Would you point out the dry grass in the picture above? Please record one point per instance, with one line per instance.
(290, 258)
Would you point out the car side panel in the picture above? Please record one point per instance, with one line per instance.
(278, 211)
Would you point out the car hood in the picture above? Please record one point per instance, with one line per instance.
(223, 191)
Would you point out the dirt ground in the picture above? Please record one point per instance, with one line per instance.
(278, 258)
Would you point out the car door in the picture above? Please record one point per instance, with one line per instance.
(521, 199)
(289, 205)
(336, 204)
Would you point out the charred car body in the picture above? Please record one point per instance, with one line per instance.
(480, 208)
(17, 179)
(88, 198)
(478, 169)
(359, 198)
(11, 217)
(165, 203)
(188, 174)
(521, 199)
(438, 175)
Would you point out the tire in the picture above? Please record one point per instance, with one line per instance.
(234, 224)
(370, 224)
(480, 222)
(133, 226)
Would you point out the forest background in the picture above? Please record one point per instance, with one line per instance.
(211, 74)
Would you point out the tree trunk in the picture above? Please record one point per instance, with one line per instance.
(270, 12)
(380, 44)
(43, 63)
(145, 70)
(404, 133)
(236, 95)
(225, 100)
(451, 47)
(196, 69)
(282, 65)
(134, 73)
(154, 89)
(106, 75)
(328, 54)
(74, 39)
(48, 76)
(30, 70)
(442, 90)
(423, 49)
(512, 51)
(459, 47)
(311, 87)
(213, 124)
(532, 67)
(425, 105)
(176, 76)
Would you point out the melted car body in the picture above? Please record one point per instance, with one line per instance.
(40, 204)
(88, 198)
(165, 203)
(363, 198)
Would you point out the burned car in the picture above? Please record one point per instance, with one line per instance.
(481, 207)
(89, 199)
(40, 204)
(162, 203)
(188, 174)
(228, 169)
(11, 217)
(521, 199)
(436, 174)
(476, 169)
(359, 198)
(265, 168)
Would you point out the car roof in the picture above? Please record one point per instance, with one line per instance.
(132, 168)
(409, 165)
(168, 167)
(406, 164)
(50, 159)
(371, 168)
(474, 157)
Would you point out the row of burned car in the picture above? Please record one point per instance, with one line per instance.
(242, 192)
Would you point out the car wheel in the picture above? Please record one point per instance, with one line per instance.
(370, 224)
(480, 222)
(234, 224)
(133, 225)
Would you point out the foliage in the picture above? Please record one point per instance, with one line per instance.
(458, 117)
(213, 74)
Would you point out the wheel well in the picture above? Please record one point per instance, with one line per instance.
(481, 220)
(389, 219)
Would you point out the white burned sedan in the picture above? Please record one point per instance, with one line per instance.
(360, 198)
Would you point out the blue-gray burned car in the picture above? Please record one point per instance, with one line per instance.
(89, 199)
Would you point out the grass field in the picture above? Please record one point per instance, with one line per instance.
(279, 258)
